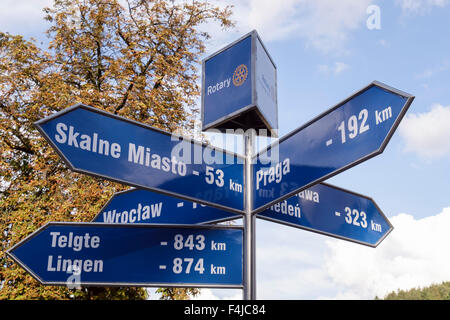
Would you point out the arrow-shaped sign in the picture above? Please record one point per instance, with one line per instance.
(143, 206)
(332, 211)
(351, 132)
(133, 255)
(101, 144)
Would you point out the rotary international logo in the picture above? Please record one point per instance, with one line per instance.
(239, 75)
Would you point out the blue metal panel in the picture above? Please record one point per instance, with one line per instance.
(104, 145)
(143, 206)
(353, 131)
(227, 82)
(266, 86)
(134, 255)
(332, 211)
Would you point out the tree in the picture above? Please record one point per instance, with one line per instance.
(433, 292)
(177, 293)
(135, 58)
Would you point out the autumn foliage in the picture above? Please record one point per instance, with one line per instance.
(135, 58)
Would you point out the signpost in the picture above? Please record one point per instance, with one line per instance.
(143, 238)
(351, 132)
(101, 144)
(332, 211)
(143, 206)
(94, 254)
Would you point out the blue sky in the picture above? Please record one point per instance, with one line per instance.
(324, 52)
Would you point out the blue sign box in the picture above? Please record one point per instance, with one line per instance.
(351, 132)
(94, 254)
(239, 87)
(143, 206)
(95, 142)
(332, 211)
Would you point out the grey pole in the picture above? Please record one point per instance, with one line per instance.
(249, 292)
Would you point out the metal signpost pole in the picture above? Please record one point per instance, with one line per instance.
(249, 292)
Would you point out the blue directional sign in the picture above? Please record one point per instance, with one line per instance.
(98, 143)
(353, 131)
(332, 211)
(133, 255)
(143, 206)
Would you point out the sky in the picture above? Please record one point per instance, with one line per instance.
(324, 51)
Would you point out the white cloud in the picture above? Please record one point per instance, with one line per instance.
(219, 294)
(428, 73)
(23, 17)
(205, 294)
(340, 67)
(296, 264)
(383, 43)
(289, 262)
(336, 68)
(293, 264)
(415, 254)
(428, 134)
(323, 24)
(326, 24)
(420, 6)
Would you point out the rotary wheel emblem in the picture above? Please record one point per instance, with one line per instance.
(239, 75)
